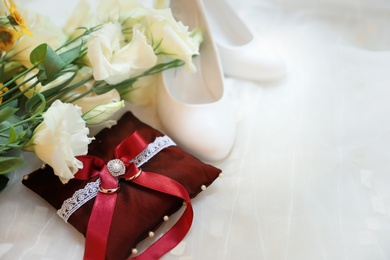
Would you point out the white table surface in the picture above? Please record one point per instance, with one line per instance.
(309, 175)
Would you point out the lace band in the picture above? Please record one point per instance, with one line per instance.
(79, 198)
(82, 196)
(152, 149)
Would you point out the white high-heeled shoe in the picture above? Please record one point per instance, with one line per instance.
(193, 107)
(242, 53)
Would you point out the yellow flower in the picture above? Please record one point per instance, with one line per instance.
(15, 18)
(8, 37)
(2, 91)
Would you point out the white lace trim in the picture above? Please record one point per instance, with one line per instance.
(82, 196)
(79, 198)
(152, 149)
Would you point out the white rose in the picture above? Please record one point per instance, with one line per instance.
(112, 62)
(60, 137)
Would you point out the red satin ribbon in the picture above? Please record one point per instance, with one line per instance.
(173, 237)
(103, 209)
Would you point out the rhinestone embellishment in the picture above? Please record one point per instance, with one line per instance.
(116, 167)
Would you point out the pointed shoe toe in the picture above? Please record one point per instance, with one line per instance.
(243, 55)
(252, 61)
(194, 109)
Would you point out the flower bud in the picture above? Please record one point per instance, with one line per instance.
(101, 114)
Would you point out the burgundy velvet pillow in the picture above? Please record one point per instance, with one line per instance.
(138, 210)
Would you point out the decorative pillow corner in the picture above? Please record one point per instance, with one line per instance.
(157, 177)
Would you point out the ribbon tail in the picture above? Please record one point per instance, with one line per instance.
(100, 220)
(99, 227)
(176, 234)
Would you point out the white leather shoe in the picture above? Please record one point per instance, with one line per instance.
(193, 107)
(242, 53)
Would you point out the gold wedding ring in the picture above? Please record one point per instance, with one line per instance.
(135, 176)
(108, 191)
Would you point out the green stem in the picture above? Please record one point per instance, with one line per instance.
(66, 90)
(11, 146)
(15, 88)
(87, 31)
(89, 91)
(18, 77)
(22, 92)
(22, 122)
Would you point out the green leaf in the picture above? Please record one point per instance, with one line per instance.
(2, 73)
(8, 164)
(124, 84)
(164, 66)
(70, 55)
(13, 135)
(101, 87)
(47, 59)
(24, 133)
(3, 181)
(6, 113)
(36, 104)
(37, 56)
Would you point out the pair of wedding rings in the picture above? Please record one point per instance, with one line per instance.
(116, 167)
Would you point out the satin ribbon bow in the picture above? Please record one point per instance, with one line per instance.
(121, 167)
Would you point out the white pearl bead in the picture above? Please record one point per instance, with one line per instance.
(134, 251)
(151, 234)
(166, 218)
(116, 167)
(203, 187)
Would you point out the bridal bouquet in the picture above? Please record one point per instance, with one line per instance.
(55, 83)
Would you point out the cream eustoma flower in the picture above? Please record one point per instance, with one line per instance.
(101, 114)
(111, 99)
(148, 30)
(171, 38)
(59, 138)
(114, 62)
